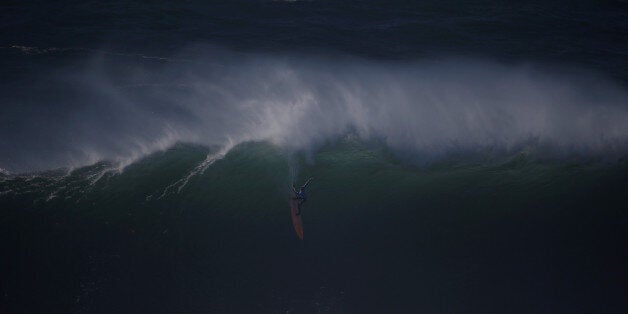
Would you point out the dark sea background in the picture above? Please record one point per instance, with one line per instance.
(469, 156)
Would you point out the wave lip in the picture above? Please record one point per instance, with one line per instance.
(425, 109)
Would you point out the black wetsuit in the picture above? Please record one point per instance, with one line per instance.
(301, 195)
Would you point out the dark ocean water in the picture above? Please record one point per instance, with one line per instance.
(468, 157)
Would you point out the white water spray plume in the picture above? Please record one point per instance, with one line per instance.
(426, 109)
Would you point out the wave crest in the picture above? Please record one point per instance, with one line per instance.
(426, 108)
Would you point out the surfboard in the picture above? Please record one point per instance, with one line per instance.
(297, 220)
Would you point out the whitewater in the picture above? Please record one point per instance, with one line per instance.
(422, 109)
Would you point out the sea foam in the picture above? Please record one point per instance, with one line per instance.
(421, 108)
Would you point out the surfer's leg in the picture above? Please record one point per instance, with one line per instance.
(301, 201)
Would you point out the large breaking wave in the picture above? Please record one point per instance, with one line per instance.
(122, 110)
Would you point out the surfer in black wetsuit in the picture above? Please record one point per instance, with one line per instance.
(300, 194)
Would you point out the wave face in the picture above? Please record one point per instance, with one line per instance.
(118, 110)
(373, 227)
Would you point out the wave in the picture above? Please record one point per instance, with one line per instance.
(122, 110)
(183, 174)
(234, 219)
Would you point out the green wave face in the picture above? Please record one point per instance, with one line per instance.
(179, 231)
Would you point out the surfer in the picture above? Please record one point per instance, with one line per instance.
(300, 194)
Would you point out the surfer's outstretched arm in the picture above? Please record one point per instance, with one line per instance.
(307, 182)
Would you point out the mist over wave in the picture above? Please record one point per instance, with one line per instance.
(119, 109)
